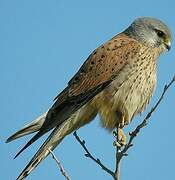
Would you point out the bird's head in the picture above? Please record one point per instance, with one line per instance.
(151, 32)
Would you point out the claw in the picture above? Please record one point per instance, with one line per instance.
(116, 143)
(121, 137)
(114, 133)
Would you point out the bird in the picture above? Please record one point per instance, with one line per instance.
(116, 81)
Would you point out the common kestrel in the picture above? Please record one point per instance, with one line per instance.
(117, 81)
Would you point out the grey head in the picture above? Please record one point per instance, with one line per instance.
(151, 32)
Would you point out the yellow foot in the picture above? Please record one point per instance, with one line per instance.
(121, 139)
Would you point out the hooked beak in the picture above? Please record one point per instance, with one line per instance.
(168, 45)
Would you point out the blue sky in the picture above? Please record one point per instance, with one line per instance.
(42, 44)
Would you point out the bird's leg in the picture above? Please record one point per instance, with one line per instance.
(121, 137)
(122, 122)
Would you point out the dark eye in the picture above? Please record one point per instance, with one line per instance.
(159, 33)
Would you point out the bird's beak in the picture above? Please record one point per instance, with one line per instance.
(167, 44)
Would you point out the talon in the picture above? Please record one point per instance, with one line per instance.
(121, 137)
(114, 133)
(116, 143)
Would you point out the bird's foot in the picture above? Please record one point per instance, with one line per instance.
(120, 138)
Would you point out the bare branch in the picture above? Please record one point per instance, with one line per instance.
(118, 150)
(89, 155)
(63, 172)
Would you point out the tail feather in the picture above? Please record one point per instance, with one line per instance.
(32, 127)
(34, 138)
(51, 142)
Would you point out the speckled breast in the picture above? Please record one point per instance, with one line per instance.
(130, 92)
(135, 92)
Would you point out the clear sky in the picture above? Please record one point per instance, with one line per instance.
(42, 44)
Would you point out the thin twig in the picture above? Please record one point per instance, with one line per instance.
(62, 170)
(117, 166)
(89, 155)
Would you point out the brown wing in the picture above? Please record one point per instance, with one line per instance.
(104, 64)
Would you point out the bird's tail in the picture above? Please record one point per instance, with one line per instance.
(51, 142)
(81, 117)
(32, 127)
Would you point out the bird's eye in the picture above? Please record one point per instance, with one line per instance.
(159, 33)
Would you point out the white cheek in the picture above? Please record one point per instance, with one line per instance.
(152, 40)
